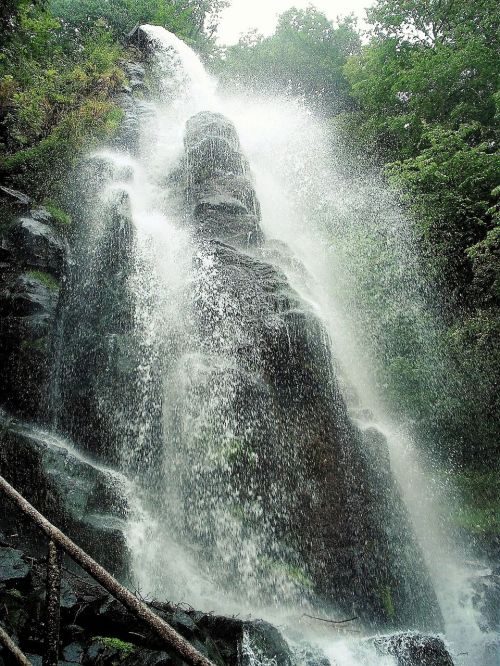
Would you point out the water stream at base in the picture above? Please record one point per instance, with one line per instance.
(300, 194)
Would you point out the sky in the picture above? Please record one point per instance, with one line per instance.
(243, 15)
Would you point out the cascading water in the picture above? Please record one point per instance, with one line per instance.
(223, 378)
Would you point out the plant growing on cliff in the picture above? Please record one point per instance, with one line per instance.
(55, 96)
(116, 644)
(46, 279)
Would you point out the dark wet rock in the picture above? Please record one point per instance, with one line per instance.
(79, 497)
(29, 295)
(33, 258)
(73, 653)
(33, 243)
(35, 659)
(138, 37)
(100, 361)
(264, 369)
(135, 74)
(107, 634)
(8, 195)
(135, 109)
(12, 565)
(261, 642)
(135, 113)
(414, 649)
(219, 182)
(28, 304)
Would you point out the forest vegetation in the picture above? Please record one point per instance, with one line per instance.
(416, 93)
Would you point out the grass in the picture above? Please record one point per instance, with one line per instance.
(46, 279)
(125, 648)
(60, 216)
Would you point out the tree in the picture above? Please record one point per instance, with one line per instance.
(305, 56)
(189, 19)
(433, 22)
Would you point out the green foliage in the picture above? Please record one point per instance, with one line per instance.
(485, 259)
(59, 70)
(9, 14)
(450, 188)
(479, 510)
(121, 16)
(305, 56)
(426, 63)
(432, 22)
(61, 218)
(387, 601)
(192, 20)
(55, 96)
(426, 86)
(45, 278)
(116, 644)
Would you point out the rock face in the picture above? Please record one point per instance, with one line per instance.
(86, 501)
(99, 364)
(286, 457)
(96, 374)
(33, 256)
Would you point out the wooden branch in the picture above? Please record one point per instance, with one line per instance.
(169, 637)
(9, 644)
(53, 610)
(324, 619)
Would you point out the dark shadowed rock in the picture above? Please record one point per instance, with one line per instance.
(219, 181)
(28, 303)
(330, 508)
(414, 649)
(14, 197)
(107, 634)
(33, 258)
(100, 362)
(34, 243)
(12, 565)
(86, 500)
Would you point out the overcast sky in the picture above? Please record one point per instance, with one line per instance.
(243, 15)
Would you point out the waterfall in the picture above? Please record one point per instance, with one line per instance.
(208, 336)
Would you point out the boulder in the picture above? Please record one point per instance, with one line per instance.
(28, 304)
(219, 182)
(86, 500)
(34, 243)
(14, 197)
(414, 649)
(12, 566)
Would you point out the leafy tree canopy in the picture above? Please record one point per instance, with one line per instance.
(305, 56)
